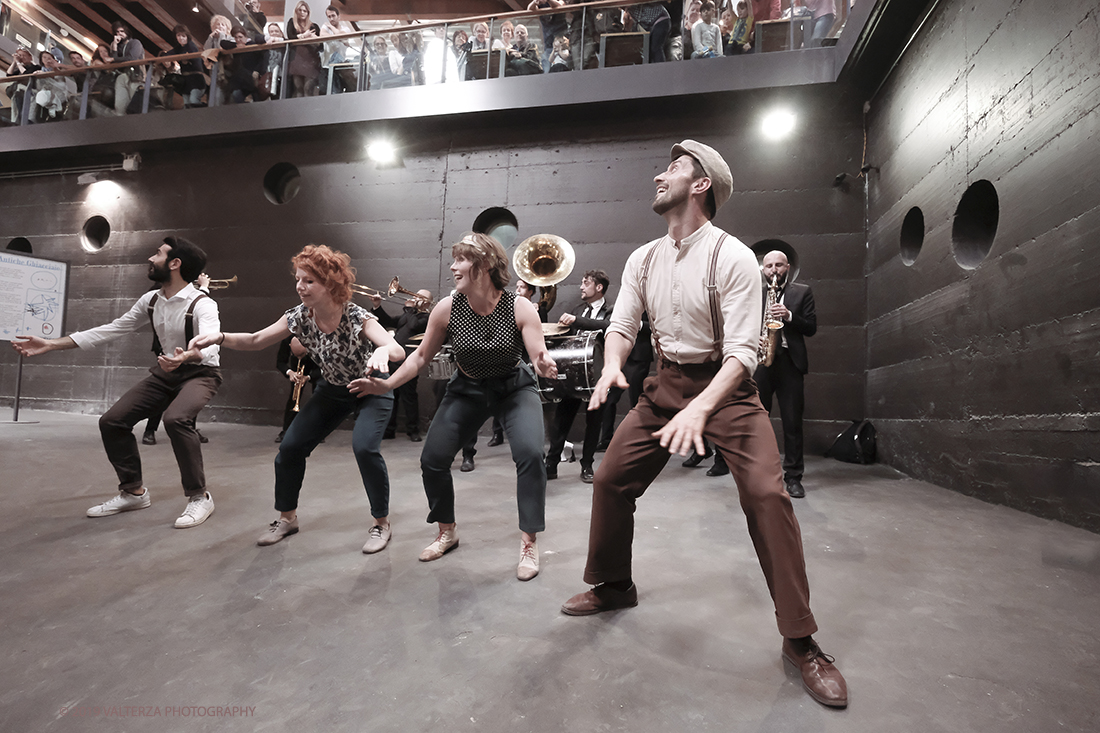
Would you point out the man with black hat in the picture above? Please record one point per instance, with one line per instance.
(706, 341)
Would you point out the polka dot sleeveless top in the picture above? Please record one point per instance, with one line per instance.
(485, 346)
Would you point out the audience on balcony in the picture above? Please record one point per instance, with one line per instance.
(706, 36)
(823, 13)
(52, 94)
(304, 69)
(523, 56)
(460, 49)
(507, 36)
(254, 20)
(560, 57)
(22, 63)
(341, 51)
(187, 78)
(554, 26)
(737, 26)
(128, 80)
(654, 19)
(243, 70)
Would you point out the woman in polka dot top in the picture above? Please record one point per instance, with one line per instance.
(489, 328)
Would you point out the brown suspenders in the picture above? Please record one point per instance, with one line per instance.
(188, 323)
(713, 297)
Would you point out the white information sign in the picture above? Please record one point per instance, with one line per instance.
(33, 293)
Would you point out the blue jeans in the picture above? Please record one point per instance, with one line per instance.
(326, 409)
(467, 404)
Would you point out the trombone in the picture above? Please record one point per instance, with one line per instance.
(422, 304)
(222, 284)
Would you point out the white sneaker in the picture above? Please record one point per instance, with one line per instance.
(124, 502)
(198, 510)
(528, 560)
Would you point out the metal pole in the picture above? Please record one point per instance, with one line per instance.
(18, 384)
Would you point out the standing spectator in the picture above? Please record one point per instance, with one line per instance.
(129, 79)
(305, 59)
(553, 26)
(653, 18)
(341, 51)
(244, 69)
(460, 49)
(507, 34)
(77, 60)
(706, 36)
(254, 19)
(824, 14)
(52, 94)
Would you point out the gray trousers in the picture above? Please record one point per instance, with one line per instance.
(467, 404)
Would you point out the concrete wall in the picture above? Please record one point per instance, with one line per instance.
(987, 380)
(588, 179)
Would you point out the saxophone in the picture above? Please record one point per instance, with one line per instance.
(769, 328)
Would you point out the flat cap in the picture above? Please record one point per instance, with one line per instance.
(721, 180)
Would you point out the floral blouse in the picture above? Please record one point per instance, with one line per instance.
(342, 354)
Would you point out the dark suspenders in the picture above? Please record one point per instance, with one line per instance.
(188, 323)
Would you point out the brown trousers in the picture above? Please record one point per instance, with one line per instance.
(179, 395)
(741, 431)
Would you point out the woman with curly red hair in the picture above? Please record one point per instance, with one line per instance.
(348, 343)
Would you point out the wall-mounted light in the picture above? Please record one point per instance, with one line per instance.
(195, 8)
(778, 124)
(382, 152)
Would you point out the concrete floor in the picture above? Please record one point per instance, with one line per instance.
(945, 614)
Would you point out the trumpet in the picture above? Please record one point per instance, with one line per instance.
(298, 384)
(222, 284)
(422, 304)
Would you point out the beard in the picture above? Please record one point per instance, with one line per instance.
(159, 274)
(663, 203)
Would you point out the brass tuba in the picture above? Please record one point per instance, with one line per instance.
(543, 260)
(769, 329)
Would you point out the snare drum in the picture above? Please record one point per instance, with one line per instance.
(580, 362)
(442, 365)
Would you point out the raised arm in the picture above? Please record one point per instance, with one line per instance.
(273, 334)
(530, 327)
(33, 345)
(434, 337)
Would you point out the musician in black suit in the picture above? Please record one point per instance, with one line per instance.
(795, 308)
(636, 369)
(412, 321)
(290, 357)
(593, 314)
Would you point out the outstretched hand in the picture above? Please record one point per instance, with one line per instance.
(201, 341)
(608, 379)
(369, 385)
(30, 345)
(175, 361)
(545, 366)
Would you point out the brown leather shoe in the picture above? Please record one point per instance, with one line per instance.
(599, 599)
(821, 679)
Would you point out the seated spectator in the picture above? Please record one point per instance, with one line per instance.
(481, 37)
(131, 78)
(691, 17)
(706, 36)
(304, 68)
(523, 56)
(77, 61)
(560, 60)
(189, 80)
(740, 23)
(242, 70)
(341, 51)
(52, 93)
(507, 36)
(221, 29)
(22, 63)
(274, 34)
(379, 69)
(653, 18)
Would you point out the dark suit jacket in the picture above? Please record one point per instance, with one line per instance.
(799, 300)
(600, 322)
(406, 325)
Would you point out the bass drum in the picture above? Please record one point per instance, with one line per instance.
(442, 365)
(580, 363)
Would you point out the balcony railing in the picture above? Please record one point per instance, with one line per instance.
(572, 38)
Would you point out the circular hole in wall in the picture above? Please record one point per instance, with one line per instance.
(498, 223)
(975, 224)
(21, 244)
(281, 183)
(95, 233)
(761, 248)
(912, 235)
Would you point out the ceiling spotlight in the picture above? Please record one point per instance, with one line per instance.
(778, 124)
(195, 8)
(382, 151)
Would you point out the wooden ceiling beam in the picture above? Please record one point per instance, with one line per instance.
(137, 24)
(159, 13)
(44, 20)
(84, 10)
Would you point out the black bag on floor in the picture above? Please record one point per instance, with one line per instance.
(854, 445)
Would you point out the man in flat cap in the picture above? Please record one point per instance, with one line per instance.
(706, 341)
